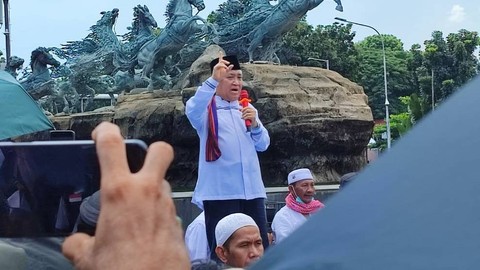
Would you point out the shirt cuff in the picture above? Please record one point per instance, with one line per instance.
(257, 130)
(212, 83)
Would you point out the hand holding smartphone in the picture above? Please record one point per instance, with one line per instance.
(42, 184)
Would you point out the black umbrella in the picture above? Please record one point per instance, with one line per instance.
(417, 207)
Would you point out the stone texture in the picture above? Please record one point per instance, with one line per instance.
(316, 119)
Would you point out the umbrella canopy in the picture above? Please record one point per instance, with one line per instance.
(417, 207)
(19, 113)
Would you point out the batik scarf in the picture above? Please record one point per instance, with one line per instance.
(212, 150)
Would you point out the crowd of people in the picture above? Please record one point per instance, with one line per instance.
(132, 232)
(232, 229)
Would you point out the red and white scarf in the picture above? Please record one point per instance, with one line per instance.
(303, 208)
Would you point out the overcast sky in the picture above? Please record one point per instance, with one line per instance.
(50, 23)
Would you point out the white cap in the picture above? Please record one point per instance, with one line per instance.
(299, 175)
(230, 224)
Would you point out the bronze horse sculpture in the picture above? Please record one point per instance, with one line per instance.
(285, 15)
(39, 83)
(140, 32)
(181, 26)
(94, 58)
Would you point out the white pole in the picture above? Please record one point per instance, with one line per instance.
(387, 114)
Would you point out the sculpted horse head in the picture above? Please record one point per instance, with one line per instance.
(14, 64)
(39, 82)
(108, 19)
(140, 32)
(39, 62)
(143, 21)
(102, 32)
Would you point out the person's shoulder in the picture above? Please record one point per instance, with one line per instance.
(281, 212)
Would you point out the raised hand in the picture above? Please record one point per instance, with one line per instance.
(221, 69)
(137, 227)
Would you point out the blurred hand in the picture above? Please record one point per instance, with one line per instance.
(137, 227)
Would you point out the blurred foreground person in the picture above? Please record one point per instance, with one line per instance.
(137, 227)
(300, 204)
(239, 243)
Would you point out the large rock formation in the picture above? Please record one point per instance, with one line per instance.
(316, 119)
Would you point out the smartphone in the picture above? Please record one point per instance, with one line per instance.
(62, 135)
(43, 183)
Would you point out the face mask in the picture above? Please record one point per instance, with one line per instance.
(299, 200)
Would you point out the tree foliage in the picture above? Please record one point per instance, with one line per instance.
(418, 79)
(308, 46)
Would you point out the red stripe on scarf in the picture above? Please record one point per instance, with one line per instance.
(212, 151)
(303, 208)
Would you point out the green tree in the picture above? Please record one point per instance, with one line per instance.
(370, 73)
(450, 61)
(304, 44)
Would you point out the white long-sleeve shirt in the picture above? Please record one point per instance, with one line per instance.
(236, 174)
(285, 222)
(196, 239)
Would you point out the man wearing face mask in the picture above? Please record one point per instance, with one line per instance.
(300, 204)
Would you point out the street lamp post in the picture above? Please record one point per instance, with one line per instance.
(387, 114)
(433, 94)
(321, 60)
(7, 29)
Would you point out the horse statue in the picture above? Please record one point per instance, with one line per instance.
(257, 27)
(39, 82)
(97, 55)
(284, 17)
(140, 32)
(13, 65)
(181, 26)
(101, 37)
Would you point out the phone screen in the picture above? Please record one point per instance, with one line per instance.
(42, 184)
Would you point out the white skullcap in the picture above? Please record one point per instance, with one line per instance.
(230, 224)
(299, 175)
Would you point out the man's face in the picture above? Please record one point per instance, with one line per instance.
(229, 88)
(243, 248)
(305, 189)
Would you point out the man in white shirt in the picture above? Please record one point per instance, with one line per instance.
(229, 175)
(300, 204)
(196, 239)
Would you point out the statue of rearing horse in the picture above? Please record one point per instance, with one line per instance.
(181, 26)
(285, 15)
(39, 83)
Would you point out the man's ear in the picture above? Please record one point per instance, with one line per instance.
(291, 190)
(221, 253)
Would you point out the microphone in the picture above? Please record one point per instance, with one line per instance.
(244, 100)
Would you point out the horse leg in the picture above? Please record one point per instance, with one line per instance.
(256, 41)
(339, 5)
(113, 101)
(90, 97)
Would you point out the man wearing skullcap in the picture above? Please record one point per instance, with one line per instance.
(300, 204)
(238, 240)
(229, 177)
